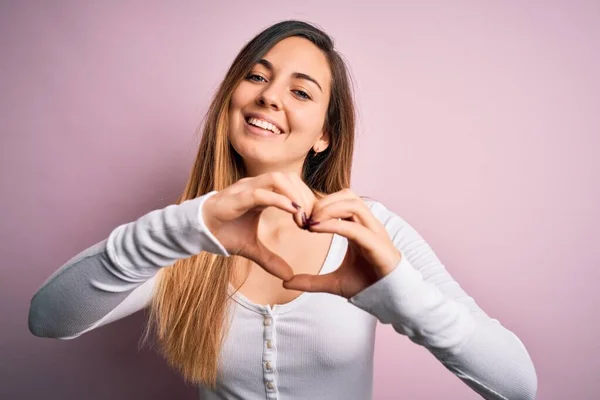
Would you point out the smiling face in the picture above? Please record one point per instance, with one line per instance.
(277, 113)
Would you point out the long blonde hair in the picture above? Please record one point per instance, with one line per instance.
(190, 304)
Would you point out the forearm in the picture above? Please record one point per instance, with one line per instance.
(91, 285)
(477, 349)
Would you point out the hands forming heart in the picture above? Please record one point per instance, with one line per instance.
(371, 254)
(232, 215)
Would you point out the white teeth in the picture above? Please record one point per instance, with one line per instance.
(264, 124)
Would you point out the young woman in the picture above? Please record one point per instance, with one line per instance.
(268, 275)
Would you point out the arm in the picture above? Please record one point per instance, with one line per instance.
(115, 277)
(422, 301)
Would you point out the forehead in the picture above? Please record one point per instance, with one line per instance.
(296, 54)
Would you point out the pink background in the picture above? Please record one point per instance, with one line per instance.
(478, 124)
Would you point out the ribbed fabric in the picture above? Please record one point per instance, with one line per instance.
(318, 346)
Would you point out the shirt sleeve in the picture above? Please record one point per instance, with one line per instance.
(421, 300)
(115, 277)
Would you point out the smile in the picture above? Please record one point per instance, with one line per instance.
(261, 123)
(260, 127)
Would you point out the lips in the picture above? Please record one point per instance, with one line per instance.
(259, 131)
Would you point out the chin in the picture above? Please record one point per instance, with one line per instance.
(252, 150)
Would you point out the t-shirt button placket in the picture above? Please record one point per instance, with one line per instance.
(269, 357)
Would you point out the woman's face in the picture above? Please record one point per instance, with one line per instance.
(277, 112)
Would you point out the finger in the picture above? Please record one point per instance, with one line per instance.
(283, 183)
(263, 198)
(249, 193)
(327, 283)
(333, 197)
(237, 202)
(359, 234)
(372, 246)
(352, 209)
(308, 200)
(270, 261)
(308, 196)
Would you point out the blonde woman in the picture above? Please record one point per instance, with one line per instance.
(245, 299)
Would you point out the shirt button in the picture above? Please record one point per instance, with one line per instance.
(269, 344)
(267, 321)
(268, 366)
(270, 385)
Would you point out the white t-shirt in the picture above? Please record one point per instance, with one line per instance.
(318, 346)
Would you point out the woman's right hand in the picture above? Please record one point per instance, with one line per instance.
(232, 215)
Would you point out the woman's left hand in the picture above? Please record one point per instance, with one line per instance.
(371, 254)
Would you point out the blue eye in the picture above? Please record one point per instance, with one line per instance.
(255, 78)
(302, 94)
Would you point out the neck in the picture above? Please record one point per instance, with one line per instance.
(274, 221)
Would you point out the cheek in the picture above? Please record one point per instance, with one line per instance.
(235, 102)
(239, 100)
(241, 96)
(307, 119)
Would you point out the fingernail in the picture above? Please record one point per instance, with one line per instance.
(296, 205)
(312, 223)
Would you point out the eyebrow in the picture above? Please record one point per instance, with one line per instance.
(299, 75)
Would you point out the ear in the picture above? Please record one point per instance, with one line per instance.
(322, 143)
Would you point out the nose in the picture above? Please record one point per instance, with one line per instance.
(270, 98)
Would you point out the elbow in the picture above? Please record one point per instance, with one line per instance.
(42, 329)
(37, 320)
(525, 381)
(522, 389)
(34, 322)
(36, 327)
(523, 384)
(42, 323)
(509, 375)
(519, 387)
(38, 330)
(526, 385)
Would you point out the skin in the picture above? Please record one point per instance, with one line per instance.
(297, 105)
(291, 87)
